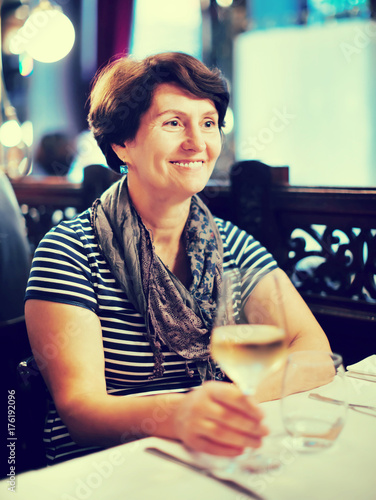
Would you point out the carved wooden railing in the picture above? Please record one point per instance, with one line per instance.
(330, 242)
(325, 239)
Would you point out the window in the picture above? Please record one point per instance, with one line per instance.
(304, 97)
(166, 25)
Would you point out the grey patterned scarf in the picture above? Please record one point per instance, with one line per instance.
(179, 318)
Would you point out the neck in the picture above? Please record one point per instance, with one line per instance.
(164, 219)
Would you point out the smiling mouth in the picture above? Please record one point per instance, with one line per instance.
(191, 164)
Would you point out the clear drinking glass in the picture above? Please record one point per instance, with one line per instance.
(314, 402)
(248, 340)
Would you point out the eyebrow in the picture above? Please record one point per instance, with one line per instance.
(180, 112)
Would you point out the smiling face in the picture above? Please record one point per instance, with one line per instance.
(176, 145)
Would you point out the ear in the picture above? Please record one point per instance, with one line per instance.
(120, 151)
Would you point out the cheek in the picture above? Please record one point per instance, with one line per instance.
(216, 147)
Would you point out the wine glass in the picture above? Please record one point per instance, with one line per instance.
(248, 340)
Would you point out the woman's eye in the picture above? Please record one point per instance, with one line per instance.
(173, 123)
(209, 124)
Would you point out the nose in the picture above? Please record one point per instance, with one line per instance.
(194, 140)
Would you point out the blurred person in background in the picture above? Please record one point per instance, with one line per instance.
(14, 255)
(15, 260)
(54, 155)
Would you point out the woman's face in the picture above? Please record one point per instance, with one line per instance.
(176, 146)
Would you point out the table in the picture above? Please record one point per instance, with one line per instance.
(346, 471)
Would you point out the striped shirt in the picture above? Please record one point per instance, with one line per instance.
(69, 268)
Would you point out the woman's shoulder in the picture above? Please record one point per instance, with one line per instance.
(229, 231)
(65, 265)
(73, 238)
(75, 230)
(222, 225)
(80, 222)
(241, 248)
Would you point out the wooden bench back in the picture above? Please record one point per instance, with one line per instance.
(325, 239)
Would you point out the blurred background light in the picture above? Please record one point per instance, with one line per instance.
(26, 64)
(229, 121)
(167, 25)
(319, 10)
(224, 3)
(54, 36)
(10, 133)
(47, 35)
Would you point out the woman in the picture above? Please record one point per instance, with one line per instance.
(121, 299)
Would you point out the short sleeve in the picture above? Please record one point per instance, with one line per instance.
(240, 249)
(61, 269)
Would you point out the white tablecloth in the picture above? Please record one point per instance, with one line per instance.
(347, 471)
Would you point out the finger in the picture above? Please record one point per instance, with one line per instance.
(229, 395)
(207, 445)
(233, 419)
(244, 426)
(224, 435)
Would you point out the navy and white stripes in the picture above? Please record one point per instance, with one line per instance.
(68, 268)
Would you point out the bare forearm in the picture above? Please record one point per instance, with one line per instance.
(105, 420)
(271, 387)
(214, 418)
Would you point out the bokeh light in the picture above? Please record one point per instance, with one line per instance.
(47, 36)
(10, 133)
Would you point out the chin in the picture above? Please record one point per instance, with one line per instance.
(191, 184)
(194, 187)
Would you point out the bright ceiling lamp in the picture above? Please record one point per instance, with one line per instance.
(47, 35)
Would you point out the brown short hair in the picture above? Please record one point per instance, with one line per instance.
(122, 92)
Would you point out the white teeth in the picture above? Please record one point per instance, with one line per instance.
(191, 164)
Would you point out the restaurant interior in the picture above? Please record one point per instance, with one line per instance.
(297, 168)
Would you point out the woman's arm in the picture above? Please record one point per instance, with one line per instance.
(302, 330)
(67, 343)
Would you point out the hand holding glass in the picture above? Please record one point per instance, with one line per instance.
(249, 338)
